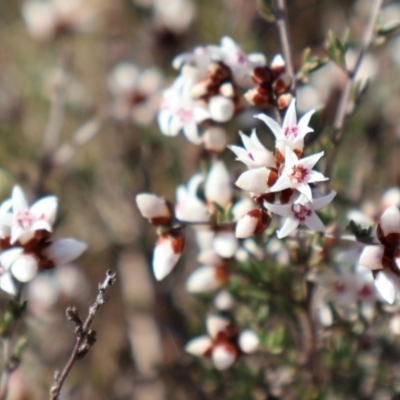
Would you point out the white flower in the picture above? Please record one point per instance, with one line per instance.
(297, 174)
(179, 112)
(291, 134)
(296, 213)
(254, 154)
(24, 221)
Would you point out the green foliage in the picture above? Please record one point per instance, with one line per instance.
(336, 48)
(309, 64)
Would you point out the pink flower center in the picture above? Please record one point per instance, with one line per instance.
(184, 114)
(301, 211)
(366, 291)
(241, 58)
(23, 219)
(339, 287)
(298, 174)
(250, 155)
(291, 132)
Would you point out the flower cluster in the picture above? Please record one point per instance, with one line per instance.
(285, 175)
(224, 344)
(209, 88)
(26, 240)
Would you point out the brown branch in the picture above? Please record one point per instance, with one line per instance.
(85, 337)
(283, 29)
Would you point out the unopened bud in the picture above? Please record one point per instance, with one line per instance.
(278, 65)
(154, 208)
(215, 139)
(219, 72)
(221, 108)
(224, 355)
(284, 100)
(261, 75)
(200, 89)
(251, 224)
(282, 84)
(259, 97)
(206, 279)
(248, 341)
(199, 346)
(224, 301)
(167, 252)
(217, 187)
(227, 90)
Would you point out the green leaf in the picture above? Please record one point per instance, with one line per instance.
(363, 234)
(310, 63)
(336, 50)
(388, 30)
(265, 8)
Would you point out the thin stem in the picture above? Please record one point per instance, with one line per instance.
(351, 75)
(283, 29)
(85, 337)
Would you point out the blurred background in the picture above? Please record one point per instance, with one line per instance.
(73, 124)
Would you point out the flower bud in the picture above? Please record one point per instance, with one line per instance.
(248, 341)
(216, 325)
(227, 90)
(166, 254)
(387, 285)
(217, 186)
(153, 208)
(225, 244)
(259, 97)
(372, 257)
(206, 279)
(224, 355)
(224, 301)
(278, 65)
(257, 180)
(221, 108)
(282, 84)
(284, 100)
(215, 139)
(389, 227)
(261, 75)
(200, 89)
(199, 346)
(251, 224)
(218, 72)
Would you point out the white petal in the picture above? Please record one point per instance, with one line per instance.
(224, 301)
(315, 176)
(325, 315)
(164, 257)
(19, 233)
(388, 285)
(41, 225)
(310, 161)
(191, 132)
(199, 346)
(151, 206)
(282, 183)
(306, 190)
(371, 257)
(24, 268)
(313, 222)
(248, 341)
(290, 116)
(223, 356)
(203, 279)
(305, 120)
(225, 244)
(63, 251)
(390, 221)
(7, 257)
(279, 209)
(7, 284)
(221, 108)
(216, 324)
(288, 227)
(291, 158)
(245, 227)
(321, 202)
(218, 186)
(19, 200)
(45, 209)
(272, 124)
(254, 180)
